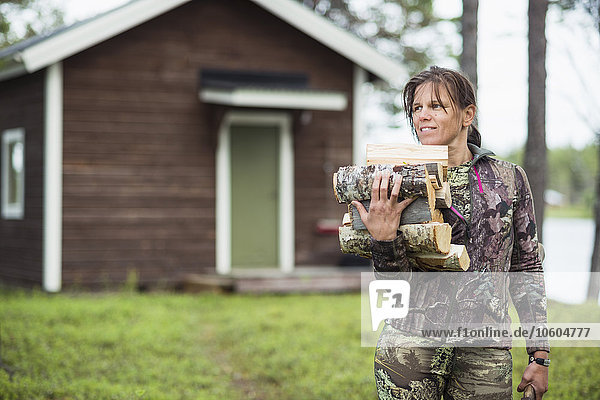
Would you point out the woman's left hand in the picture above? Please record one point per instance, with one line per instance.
(537, 376)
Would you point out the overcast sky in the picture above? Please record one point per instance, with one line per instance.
(573, 84)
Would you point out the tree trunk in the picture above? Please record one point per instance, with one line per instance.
(468, 58)
(535, 148)
(594, 283)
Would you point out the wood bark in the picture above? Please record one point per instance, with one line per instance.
(354, 241)
(418, 238)
(468, 57)
(355, 182)
(535, 147)
(419, 211)
(456, 260)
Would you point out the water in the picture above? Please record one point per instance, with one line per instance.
(568, 244)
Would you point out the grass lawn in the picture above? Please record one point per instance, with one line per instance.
(174, 346)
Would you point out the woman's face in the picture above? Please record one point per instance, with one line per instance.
(433, 124)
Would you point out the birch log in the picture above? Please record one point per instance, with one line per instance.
(419, 211)
(355, 182)
(456, 260)
(418, 238)
(355, 242)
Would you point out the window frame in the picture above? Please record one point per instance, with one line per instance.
(12, 210)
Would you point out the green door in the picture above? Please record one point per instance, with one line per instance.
(254, 196)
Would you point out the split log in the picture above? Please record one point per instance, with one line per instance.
(433, 237)
(417, 212)
(347, 220)
(456, 260)
(443, 199)
(418, 238)
(401, 153)
(436, 174)
(355, 242)
(355, 182)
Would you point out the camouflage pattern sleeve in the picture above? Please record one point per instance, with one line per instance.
(389, 255)
(527, 288)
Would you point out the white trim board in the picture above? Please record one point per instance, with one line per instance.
(53, 184)
(264, 98)
(73, 40)
(286, 187)
(13, 210)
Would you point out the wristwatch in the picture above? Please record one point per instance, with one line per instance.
(542, 361)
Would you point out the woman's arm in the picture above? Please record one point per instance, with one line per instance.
(527, 281)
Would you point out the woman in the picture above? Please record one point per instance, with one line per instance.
(492, 215)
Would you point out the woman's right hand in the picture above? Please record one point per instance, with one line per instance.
(383, 218)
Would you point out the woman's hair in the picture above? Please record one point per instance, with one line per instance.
(459, 88)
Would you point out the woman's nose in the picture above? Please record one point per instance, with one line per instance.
(424, 115)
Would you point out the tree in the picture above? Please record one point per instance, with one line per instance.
(406, 30)
(592, 7)
(535, 147)
(21, 19)
(468, 57)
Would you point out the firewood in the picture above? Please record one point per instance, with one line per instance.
(456, 260)
(419, 211)
(347, 220)
(355, 182)
(355, 242)
(418, 238)
(433, 237)
(443, 199)
(436, 174)
(401, 154)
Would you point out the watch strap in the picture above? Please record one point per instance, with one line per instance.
(541, 361)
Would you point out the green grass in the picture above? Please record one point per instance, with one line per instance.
(569, 212)
(210, 346)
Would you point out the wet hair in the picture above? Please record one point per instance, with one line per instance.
(458, 86)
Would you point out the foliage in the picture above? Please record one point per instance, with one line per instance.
(592, 7)
(21, 19)
(406, 30)
(211, 346)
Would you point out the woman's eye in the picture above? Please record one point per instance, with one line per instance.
(417, 108)
(435, 105)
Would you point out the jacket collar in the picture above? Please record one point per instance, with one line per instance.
(479, 152)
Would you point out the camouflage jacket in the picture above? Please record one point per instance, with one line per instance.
(500, 237)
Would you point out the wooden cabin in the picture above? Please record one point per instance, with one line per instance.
(169, 137)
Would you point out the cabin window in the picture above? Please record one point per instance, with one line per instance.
(13, 173)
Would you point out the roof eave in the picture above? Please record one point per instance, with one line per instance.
(86, 35)
(11, 67)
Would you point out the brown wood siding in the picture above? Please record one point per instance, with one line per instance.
(22, 105)
(139, 146)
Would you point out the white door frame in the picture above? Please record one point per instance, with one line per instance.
(286, 186)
